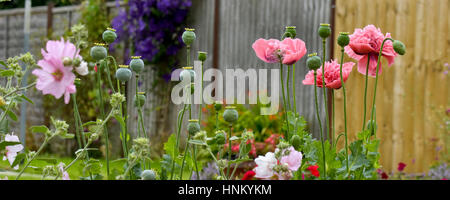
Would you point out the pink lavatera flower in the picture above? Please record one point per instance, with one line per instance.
(11, 151)
(366, 43)
(54, 78)
(332, 75)
(289, 51)
(293, 160)
(65, 175)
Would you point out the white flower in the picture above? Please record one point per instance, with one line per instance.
(265, 165)
(11, 151)
(82, 69)
(65, 175)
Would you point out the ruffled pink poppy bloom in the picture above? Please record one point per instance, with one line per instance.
(332, 75)
(11, 151)
(54, 78)
(366, 43)
(270, 51)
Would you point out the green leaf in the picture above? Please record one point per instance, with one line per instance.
(7, 72)
(48, 160)
(68, 136)
(3, 63)
(197, 142)
(234, 138)
(39, 129)
(3, 144)
(19, 158)
(26, 98)
(170, 146)
(89, 123)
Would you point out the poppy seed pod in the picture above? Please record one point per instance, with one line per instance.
(220, 137)
(141, 98)
(202, 56)
(193, 127)
(98, 52)
(296, 141)
(313, 62)
(188, 36)
(218, 105)
(109, 36)
(324, 31)
(123, 73)
(137, 64)
(148, 175)
(343, 39)
(399, 47)
(187, 73)
(230, 114)
(291, 30)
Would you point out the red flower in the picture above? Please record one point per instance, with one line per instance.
(95, 68)
(249, 175)
(384, 175)
(313, 170)
(401, 166)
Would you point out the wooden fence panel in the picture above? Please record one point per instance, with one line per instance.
(411, 93)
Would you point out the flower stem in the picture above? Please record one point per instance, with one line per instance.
(77, 127)
(229, 153)
(327, 129)
(293, 88)
(20, 89)
(345, 111)
(284, 100)
(34, 156)
(186, 148)
(102, 115)
(365, 92)
(287, 87)
(177, 145)
(320, 123)
(201, 104)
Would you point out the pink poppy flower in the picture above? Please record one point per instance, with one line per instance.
(267, 50)
(292, 50)
(293, 160)
(54, 78)
(264, 166)
(332, 75)
(366, 43)
(271, 51)
(11, 151)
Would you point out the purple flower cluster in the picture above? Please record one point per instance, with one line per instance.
(154, 27)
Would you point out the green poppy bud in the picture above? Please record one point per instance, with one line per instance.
(218, 105)
(313, 62)
(76, 62)
(109, 36)
(230, 114)
(343, 39)
(186, 73)
(399, 47)
(188, 36)
(296, 142)
(141, 98)
(193, 127)
(77, 82)
(202, 56)
(98, 52)
(324, 31)
(137, 64)
(291, 30)
(372, 127)
(123, 73)
(67, 61)
(220, 137)
(148, 175)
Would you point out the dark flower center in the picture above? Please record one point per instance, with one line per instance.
(58, 75)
